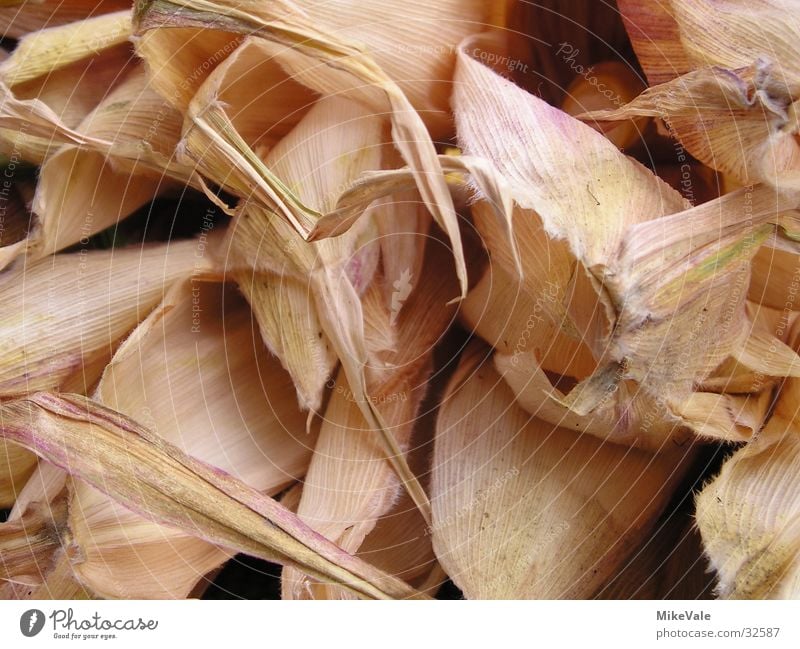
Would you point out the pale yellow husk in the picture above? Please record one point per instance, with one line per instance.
(65, 314)
(523, 509)
(218, 397)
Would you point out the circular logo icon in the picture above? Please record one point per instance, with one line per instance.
(31, 622)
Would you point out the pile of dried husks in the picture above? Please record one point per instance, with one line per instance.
(394, 293)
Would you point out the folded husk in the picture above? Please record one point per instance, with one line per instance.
(661, 284)
(332, 144)
(738, 121)
(42, 52)
(350, 486)
(97, 445)
(522, 509)
(23, 18)
(220, 399)
(16, 466)
(65, 313)
(82, 192)
(43, 113)
(27, 544)
(297, 43)
(748, 519)
(753, 138)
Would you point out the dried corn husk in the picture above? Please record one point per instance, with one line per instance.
(741, 120)
(42, 114)
(21, 18)
(350, 486)
(178, 60)
(331, 145)
(522, 509)
(660, 282)
(610, 85)
(16, 466)
(748, 518)
(775, 280)
(341, 65)
(174, 489)
(44, 485)
(291, 328)
(43, 502)
(82, 192)
(246, 105)
(279, 271)
(738, 121)
(65, 313)
(42, 52)
(220, 399)
(656, 39)
(28, 544)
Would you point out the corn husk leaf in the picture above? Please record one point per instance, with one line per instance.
(65, 312)
(703, 37)
(502, 311)
(254, 432)
(775, 279)
(462, 172)
(656, 39)
(731, 34)
(178, 60)
(44, 485)
(82, 192)
(246, 105)
(747, 517)
(16, 466)
(21, 18)
(174, 489)
(403, 225)
(739, 122)
(43, 113)
(301, 41)
(43, 498)
(350, 486)
(662, 282)
(290, 327)
(279, 271)
(336, 135)
(27, 544)
(34, 54)
(523, 509)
